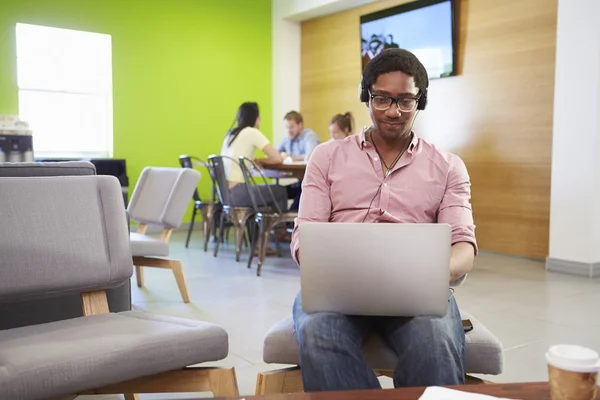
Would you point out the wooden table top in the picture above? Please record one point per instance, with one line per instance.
(521, 391)
(278, 171)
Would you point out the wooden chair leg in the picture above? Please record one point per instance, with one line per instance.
(287, 380)
(139, 275)
(223, 382)
(173, 265)
(177, 269)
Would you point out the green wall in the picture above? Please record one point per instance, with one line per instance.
(180, 69)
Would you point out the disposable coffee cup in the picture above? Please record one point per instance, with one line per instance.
(573, 372)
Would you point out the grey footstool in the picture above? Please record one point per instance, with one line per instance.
(483, 356)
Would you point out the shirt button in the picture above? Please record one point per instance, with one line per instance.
(376, 159)
(385, 185)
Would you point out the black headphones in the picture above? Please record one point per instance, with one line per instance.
(363, 96)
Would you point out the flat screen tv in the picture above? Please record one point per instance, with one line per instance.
(424, 27)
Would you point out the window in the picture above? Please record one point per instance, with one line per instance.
(65, 90)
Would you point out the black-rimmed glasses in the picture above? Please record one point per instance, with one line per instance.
(404, 104)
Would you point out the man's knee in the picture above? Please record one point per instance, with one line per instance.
(434, 332)
(313, 327)
(322, 331)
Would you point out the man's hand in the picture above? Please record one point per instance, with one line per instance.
(462, 256)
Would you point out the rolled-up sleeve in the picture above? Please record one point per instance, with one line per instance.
(315, 202)
(455, 208)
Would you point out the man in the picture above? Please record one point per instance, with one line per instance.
(298, 144)
(300, 141)
(386, 174)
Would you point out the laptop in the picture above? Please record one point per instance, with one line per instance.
(377, 269)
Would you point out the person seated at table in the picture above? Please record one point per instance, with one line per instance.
(300, 141)
(386, 174)
(298, 144)
(341, 125)
(243, 140)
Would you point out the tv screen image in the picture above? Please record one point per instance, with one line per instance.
(425, 28)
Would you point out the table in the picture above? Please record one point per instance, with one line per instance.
(282, 171)
(521, 391)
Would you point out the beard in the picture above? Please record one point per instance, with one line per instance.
(393, 130)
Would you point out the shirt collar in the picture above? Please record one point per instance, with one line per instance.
(362, 139)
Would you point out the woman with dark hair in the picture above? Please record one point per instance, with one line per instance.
(242, 141)
(341, 126)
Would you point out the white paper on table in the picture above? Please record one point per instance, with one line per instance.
(289, 160)
(441, 393)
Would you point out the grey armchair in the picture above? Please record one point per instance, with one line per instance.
(68, 236)
(160, 197)
(34, 312)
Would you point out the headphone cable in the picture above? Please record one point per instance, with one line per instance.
(389, 171)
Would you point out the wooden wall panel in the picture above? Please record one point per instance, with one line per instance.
(496, 114)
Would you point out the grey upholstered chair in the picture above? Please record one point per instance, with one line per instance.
(483, 356)
(161, 197)
(68, 235)
(34, 312)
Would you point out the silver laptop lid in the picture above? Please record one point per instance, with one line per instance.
(382, 269)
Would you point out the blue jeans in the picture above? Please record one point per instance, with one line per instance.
(430, 350)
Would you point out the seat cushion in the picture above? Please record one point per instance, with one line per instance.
(483, 354)
(146, 246)
(65, 357)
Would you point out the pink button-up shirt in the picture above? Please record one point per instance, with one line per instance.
(344, 177)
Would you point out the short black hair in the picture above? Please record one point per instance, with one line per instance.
(391, 60)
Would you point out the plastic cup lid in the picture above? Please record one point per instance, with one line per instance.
(573, 358)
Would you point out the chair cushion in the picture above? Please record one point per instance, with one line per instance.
(65, 357)
(146, 246)
(483, 354)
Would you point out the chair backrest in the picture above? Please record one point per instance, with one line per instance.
(190, 162)
(161, 195)
(29, 169)
(216, 163)
(62, 235)
(259, 200)
(186, 162)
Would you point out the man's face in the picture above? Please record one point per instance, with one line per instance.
(393, 123)
(293, 128)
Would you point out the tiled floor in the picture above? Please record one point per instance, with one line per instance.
(526, 307)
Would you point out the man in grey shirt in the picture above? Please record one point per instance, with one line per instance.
(300, 141)
(298, 144)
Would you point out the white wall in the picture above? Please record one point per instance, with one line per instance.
(301, 10)
(575, 191)
(286, 17)
(286, 65)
